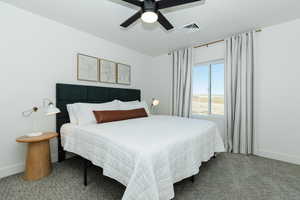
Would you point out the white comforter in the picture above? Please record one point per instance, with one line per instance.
(147, 155)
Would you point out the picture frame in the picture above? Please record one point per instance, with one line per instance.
(123, 74)
(87, 68)
(108, 71)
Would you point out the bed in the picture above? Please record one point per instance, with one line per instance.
(147, 155)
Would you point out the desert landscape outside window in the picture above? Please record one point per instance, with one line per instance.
(208, 89)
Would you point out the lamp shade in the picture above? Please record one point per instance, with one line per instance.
(155, 102)
(51, 110)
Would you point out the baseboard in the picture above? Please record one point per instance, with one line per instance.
(279, 156)
(11, 170)
(18, 168)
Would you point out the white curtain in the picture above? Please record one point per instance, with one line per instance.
(239, 65)
(182, 82)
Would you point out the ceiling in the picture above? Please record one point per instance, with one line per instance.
(216, 18)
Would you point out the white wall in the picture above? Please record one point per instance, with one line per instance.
(35, 54)
(160, 75)
(209, 53)
(277, 92)
(277, 89)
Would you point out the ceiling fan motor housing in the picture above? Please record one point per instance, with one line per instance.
(150, 11)
(150, 6)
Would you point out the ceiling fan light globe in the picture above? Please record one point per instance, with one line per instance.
(149, 17)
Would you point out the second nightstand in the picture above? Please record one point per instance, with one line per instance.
(38, 160)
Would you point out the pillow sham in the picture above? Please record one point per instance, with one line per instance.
(71, 113)
(130, 105)
(118, 115)
(84, 111)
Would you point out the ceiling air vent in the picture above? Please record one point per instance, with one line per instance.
(191, 27)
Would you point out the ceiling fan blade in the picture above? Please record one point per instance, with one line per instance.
(171, 3)
(134, 2)
(164, 22)
(132, 19)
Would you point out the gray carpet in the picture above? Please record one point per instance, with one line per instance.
(228, 177)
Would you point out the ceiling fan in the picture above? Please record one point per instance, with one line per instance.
(150, 13)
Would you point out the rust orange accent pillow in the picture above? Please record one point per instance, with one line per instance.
(118, 115)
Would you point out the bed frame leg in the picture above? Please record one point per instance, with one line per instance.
(85, 166)
(61, 156)
(215, 155)
(61, 152)
(193, 179)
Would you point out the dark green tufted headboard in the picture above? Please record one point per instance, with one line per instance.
(67, 94)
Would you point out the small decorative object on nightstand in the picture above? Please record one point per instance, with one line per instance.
(38, 161)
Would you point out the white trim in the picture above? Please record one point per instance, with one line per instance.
(209, 65)
(11, 169)
(279, 156)
(20, 167)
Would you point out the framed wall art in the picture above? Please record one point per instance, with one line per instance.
(108, 71)
(123, 74)
(87, 68)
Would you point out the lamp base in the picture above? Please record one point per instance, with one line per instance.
(34, 134)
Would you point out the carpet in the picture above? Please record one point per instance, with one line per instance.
(228, 177)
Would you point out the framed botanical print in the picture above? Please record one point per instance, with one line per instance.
(87, 68)
(123, 74)
(108, 71)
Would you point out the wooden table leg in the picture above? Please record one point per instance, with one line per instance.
(38, 161)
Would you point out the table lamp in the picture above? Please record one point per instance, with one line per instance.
(155, 103)
(49, 109)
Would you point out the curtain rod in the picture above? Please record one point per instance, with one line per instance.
(217, 41)
(214, 42)
(207, 44)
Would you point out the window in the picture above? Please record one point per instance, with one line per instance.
(208, 89)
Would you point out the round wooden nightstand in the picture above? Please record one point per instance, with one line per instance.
(38, 160)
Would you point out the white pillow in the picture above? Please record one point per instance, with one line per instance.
(130, 105)
(72, 115)
(84, 111)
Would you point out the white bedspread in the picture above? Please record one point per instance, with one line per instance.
(147, 155)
